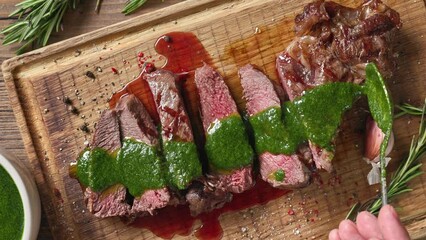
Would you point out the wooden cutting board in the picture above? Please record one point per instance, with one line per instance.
(234, 33)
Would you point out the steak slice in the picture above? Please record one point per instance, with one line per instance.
(135, 123)
(334, 44)
(178, 144)
(203, 197)
(217, 105)
(112, 201)
(260, 95)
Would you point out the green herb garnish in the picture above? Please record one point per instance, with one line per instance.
(408, 109)
(132, 5)
(36, 21)
(38, 18)
(279, 175)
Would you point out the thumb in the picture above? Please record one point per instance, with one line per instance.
(390, 225)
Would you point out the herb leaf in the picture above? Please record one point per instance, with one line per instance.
(408, 109)
(36, 21)
(132, 5)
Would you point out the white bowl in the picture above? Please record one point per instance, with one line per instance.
(28, 190)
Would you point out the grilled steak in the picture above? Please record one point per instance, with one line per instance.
(112, 201)
(135, 123)
(179, 148)
(260, 95)
(203, 197)
(224, 154)
(107, 132)
(334, 43)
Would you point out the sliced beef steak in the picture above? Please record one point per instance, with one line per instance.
(112, 201)
(334, 44)
(175, 124)
(217, 105)
(203, 197)
(179, 148)
(107, 132)
(135, 123)
(260, 95)
(108, 203)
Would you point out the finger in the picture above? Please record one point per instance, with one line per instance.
(349, 231)
(334, 235)
(368, 226)
(390, 225)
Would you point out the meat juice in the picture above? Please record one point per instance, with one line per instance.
(184, 53)
(172, 221)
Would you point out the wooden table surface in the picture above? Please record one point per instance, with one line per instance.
(79, 21)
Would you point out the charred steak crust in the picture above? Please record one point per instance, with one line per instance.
(334, 44)
(259, 93)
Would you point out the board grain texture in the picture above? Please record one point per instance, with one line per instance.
(234, 33)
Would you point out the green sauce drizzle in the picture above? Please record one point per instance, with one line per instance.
(271, 135)
(97, 168)
(315, 116)
(279, 175)
(379, 102)
(381, 109)
(136, 165)
(140, 167)
(182, 163)
(11, 208)
(227, 146)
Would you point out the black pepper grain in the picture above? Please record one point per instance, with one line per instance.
(89, 74)
(84, 128)
(77, 53)
(67, 100)
(73, 110)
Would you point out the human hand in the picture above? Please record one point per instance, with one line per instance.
(386, 226)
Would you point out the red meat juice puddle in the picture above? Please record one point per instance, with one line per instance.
(177, 220)
(184, 53)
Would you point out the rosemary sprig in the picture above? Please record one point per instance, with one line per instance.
(408, 109)
(407, 170)
(36, 21)
(38, 18)
(132, 5)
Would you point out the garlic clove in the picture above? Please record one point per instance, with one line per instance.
(373, 139)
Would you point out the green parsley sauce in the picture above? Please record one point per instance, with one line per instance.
(379, 102)
(227, 146)
(11, 208)
(279, 175)
(139, 167)
(96, 168)
(317, 114)
(182, 163)
(271, 135)
(136, 165)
